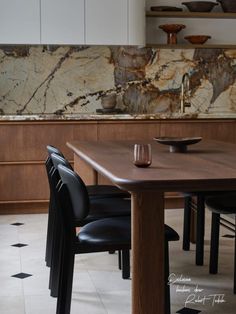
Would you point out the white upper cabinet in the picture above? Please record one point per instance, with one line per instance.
(115, 22)
(72, 22)
(137, 22)
(19, 21)
(106, 22)
(62, 22)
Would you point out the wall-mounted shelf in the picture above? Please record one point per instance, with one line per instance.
(208, 15)
(188, 46)
(187, 14)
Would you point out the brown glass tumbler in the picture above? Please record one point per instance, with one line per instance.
(142, 155)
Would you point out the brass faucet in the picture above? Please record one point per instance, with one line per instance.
(184, 90)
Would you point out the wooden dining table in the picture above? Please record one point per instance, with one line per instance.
(206, 166)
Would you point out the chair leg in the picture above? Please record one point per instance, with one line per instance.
(214, 250)
(187, 223)
(48, 255)
(200, 230)
(125, 256)
(167, 286)
(56, 259)
(235, 259)
(119, 260)
(65, 282)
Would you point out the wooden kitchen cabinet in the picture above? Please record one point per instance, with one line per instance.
(62, 22)
(20, 22)
(23, 181)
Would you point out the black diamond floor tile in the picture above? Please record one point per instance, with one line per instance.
(17, 224)
(19, 245)
(186, 310)
(21, 275)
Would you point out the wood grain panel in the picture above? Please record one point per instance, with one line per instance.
(213, 129)
(23, 148)
(128, 130)
(28, 141)
(24, 182)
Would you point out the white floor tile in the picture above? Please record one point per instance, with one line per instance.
(87, 302)
(38, 304)
(98, 287)
(12, 305)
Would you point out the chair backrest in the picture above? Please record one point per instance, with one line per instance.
(64, 211)
(60, 160)
(48, 163)
(77, 190)
(52, 149)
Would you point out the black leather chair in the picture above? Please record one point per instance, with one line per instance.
(221, 204)
(95, 191)
(99, 208)
(199, 207)
(98, 236)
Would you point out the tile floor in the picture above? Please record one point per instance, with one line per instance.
(98, 287)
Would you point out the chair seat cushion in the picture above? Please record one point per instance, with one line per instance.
(105, 235)
(105, 208)
(171, 234)
(98, 191)
(111, 234)
(222, 204)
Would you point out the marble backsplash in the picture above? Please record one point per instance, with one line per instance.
(38, 80)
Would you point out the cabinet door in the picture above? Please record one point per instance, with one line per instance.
(19, 21)
(106, 22)
(62, 21)
(137, 22)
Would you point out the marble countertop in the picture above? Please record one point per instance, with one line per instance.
(94, 117)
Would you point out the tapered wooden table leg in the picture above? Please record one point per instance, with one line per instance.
(148, 252)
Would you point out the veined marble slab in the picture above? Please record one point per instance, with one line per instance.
(38, 82)
(88, 117)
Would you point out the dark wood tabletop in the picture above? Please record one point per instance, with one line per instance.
(208, 165)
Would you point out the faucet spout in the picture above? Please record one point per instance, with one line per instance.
(185, 85)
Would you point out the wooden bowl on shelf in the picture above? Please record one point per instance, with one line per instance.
(163, 8)
(197, 39)
(200, 6)
(172, 30)
(228, 5)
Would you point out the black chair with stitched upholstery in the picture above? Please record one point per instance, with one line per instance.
(221, 204)
(97, 236)
(99, 208)
(95, 191)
